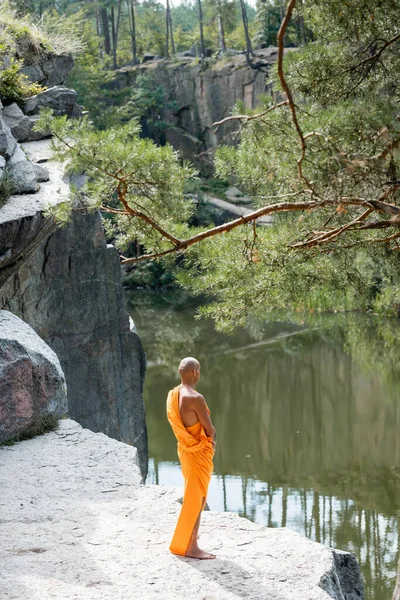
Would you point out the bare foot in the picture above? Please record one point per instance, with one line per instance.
(199, 554)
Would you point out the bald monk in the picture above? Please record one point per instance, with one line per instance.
(189, 417)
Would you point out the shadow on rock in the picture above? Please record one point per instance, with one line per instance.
(234, 579)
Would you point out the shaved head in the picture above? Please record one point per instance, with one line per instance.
(188, 364)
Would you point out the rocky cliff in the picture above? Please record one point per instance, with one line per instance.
(202, 95)
(66, 283)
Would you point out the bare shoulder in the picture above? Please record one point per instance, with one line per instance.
(199, 399)
(189, 397)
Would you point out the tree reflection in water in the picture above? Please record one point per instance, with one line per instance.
(307, 418)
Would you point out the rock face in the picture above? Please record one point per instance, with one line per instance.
(66, 284)
(15, 125)
(51, 69)
(21, 173)
(60, 99)
(19, 124)
(78, 525)
(7, 141)
(203, 96)
(31, 379)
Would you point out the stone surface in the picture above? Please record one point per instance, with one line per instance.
(7, 141)
(21, 173)
(29, 205)
(233, 192)
(49, 69)
(33, 135)
(2, 165)
(56, 68)
(31, 379)
(148, 57)
(78, 526)
(189, 146)
(34, 73)
(19, 124)
(60, 99)
(197, 97)
(66, 283)
(42, 174)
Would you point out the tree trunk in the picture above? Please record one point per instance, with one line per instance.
(249, 49)
(114, 49)
(132, 27)
(396, 593)
(98, 26)
(282, 17)
(171, 32)
(202, 48)
(115, 31)
(106, 30)
(167, 30)
(221, 33)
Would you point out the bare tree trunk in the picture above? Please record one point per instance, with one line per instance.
(396, 593)
(221, 33)
(171, 32)
(115, 31)
(202, 47)
(167, 30)
(282, 17)
(132, 27)
(114, 50)
(99, 31)
(106, 30)
(249, 49)
(98, 27)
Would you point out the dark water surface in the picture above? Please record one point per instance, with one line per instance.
(308, 422)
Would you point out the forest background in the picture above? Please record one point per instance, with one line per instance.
(325, 147)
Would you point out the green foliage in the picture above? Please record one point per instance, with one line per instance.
(229, 11)
(48, 422)
(347, 101)
(269, 17)
(185, 15)
(147, 100)
(355, 120)
(14, 85)
(153, 176)
(236, 38)
(148, 275)
(19, 36)
(90, 78)
(151, 27)
(184, 39)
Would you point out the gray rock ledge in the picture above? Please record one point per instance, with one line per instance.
(77, 524)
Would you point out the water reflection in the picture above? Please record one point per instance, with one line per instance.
(307, 421)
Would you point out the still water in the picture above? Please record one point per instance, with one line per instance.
(308, 422)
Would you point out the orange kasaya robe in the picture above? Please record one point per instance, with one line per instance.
(195, 453)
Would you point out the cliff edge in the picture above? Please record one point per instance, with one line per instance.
(66, 284)
(79, 525)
